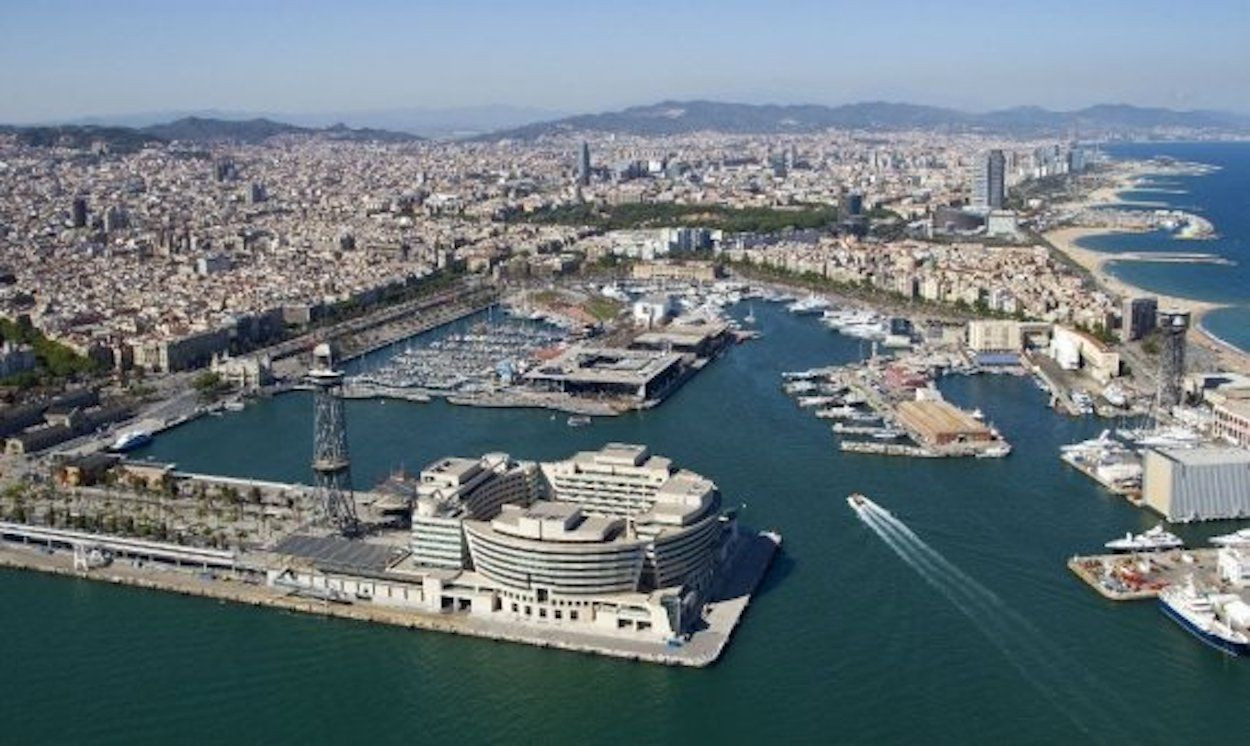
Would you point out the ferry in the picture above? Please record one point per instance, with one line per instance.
(1221, 620)
(1154, 540)
(1238, 539)
(128, 441)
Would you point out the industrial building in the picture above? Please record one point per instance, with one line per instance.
(1197, 484)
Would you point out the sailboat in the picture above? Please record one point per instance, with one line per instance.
(750, 317)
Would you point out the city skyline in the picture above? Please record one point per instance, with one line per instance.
(70, 60)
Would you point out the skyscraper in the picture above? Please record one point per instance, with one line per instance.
(989, 181)
(79, 212)
(583, 170)
(1138, 318)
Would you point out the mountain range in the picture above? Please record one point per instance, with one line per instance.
(680, 117)
(200, 130)
(665, 118)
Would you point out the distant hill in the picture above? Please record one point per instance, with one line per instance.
(679, 117)
(118, 139)
(189, 129)
(204, 129)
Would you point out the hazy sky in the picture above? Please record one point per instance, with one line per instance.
(65, 59)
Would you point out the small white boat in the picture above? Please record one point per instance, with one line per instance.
(579, 420)
(1000, 450)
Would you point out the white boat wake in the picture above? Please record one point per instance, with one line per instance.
(1067, 684)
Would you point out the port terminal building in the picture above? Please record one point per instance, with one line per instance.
(616, 541)
(636, 375)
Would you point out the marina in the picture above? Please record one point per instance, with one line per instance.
(846, 630)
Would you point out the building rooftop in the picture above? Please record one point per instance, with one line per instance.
(555, 521)
(1206, 456)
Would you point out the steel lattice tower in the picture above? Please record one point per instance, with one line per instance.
(1172, 327)
(331, 464)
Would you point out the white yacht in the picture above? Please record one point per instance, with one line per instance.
(816, 401)
(812, 304)
(1153, 540)
(837, 413)
(1239, 539)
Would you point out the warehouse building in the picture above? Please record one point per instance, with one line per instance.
(1197, 484)
(940, 423)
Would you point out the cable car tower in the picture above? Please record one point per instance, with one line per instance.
(331, 465)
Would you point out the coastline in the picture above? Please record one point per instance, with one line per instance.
(1066, 241)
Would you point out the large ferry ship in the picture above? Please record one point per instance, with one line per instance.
(1221, 620)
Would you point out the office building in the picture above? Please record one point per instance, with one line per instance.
(583, 166)
(78, 212)
(989, 185)
(1138, 318)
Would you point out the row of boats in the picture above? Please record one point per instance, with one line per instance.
(1159, 539)
(823, 391)
(474, 360)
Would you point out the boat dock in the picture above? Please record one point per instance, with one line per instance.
(887, 449)
(1128, 492)
(1134, 577)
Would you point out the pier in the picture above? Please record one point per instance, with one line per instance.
(1134, 577)
(161, 567)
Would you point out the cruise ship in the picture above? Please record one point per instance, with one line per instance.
(130, 440)
(1221, 620)
(1153, 540)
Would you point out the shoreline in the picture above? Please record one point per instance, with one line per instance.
(1065, 240)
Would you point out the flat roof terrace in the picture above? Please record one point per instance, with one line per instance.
(607, 370)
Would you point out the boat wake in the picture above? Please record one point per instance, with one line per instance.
(1062, 680)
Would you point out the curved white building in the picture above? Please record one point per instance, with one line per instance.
(616, 538)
